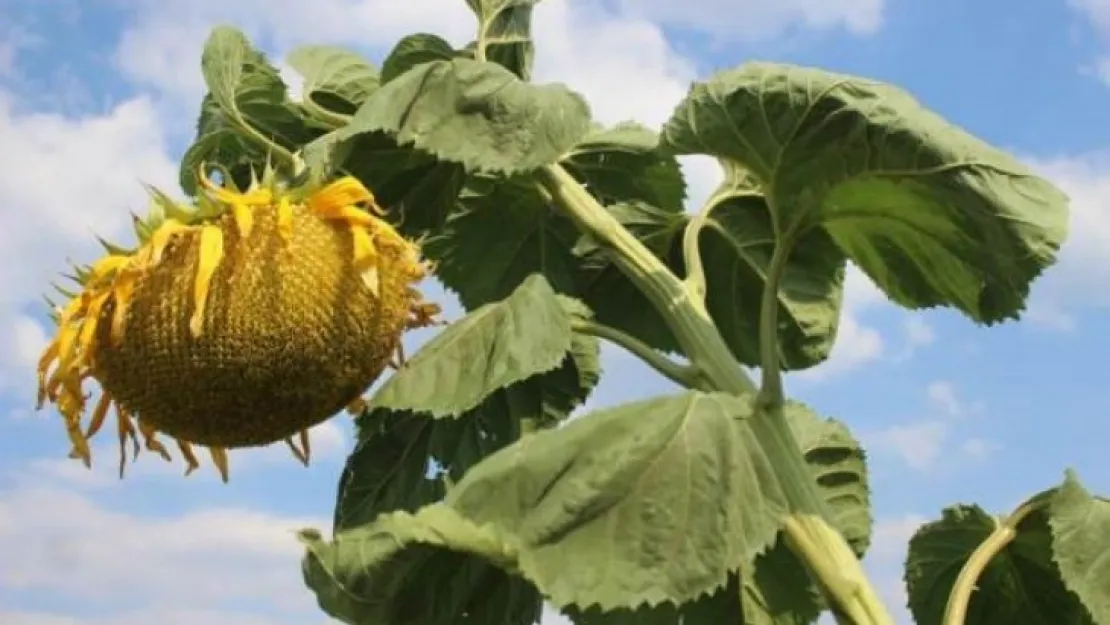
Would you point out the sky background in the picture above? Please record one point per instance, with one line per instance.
(98, 96)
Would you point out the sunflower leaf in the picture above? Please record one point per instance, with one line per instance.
(383, 573)
(933, 215)
(1020, 586)
(1080, 526)
(505, 34)
(337, 79)
(476, 114)
(545, 507)
(389, 467)
(413, 50)
(493, 347)
(245, 92)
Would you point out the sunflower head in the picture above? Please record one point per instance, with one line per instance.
(240, 321)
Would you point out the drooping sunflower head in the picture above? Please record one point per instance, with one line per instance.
(240, 321)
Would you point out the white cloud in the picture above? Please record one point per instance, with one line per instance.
(918, 444)
(1082, 275)
(752, 20)
(202, 558)
(943, 395)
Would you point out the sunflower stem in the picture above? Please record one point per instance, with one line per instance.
(825, 552)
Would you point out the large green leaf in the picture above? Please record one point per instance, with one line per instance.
(413, 50)
(244, 90)
(933, 215)
(417, 191)
(502, 232)
(505, 33)
(780, 591)
(337, 79)
(1081, 545)
(495, 346)
(651, 502)
(477, 114)
(1021, 585)
(623, 163)
(722, 606)
(391, 573)
(389, 467)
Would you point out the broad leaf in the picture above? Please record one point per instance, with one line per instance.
(736, 247)
(933, 215)
(383, 573)
(1021, 585)
(502, 232)
(476, 114)
(838, 463)
(389, 467)
(245, 90)
(417, 191)
(1081, 545)
(495, 346)
(414, 50)
(623, 163)
(505, 33)
(651, 501)
(591, 515)
(780, 592)
(337, 79)
(720, 607)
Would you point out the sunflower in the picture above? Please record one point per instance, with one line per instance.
(241, 320)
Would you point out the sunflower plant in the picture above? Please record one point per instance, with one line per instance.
(279, 292)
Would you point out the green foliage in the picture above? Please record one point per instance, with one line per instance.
(933, 215)
(525, 335)
(472, 496)
(337, 79)
(1051, 564)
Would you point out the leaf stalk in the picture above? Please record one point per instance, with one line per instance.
(1005, 531)
(683, 375)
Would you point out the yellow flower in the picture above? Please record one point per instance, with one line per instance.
(239, 322)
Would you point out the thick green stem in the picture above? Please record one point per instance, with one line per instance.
(823, 549)
(683, 375)
(771, 394)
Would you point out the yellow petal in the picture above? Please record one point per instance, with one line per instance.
(106, 265)
(306, 446)
(162, 237)
(122, 291)
(86, 341)
(211, 251)
(125, 429)
(219, 458)
(297, 453)
(80, 443)
(151, 441)
(285, 219)
(191, 462)
(343, 193)
(244, 219)
(99, 415)
(48, 357)
(256, 196)
(351, 214)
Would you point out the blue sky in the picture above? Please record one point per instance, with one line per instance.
(104, 94)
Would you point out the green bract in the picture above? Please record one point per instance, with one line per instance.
(473, 496)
